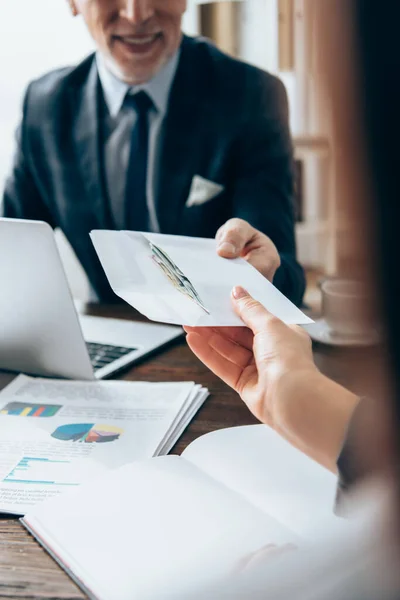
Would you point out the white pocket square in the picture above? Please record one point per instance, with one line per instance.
(202, 191)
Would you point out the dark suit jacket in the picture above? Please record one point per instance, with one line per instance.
(226, 121)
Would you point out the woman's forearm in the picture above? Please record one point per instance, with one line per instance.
(313, 413)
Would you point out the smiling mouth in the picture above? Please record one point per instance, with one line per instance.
(138, 44)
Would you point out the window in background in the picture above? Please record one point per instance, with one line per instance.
(35, 37)
(279, 36)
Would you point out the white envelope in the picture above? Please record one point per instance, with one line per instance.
(202, 191)
(134, 276)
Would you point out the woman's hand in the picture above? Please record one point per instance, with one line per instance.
(271, 366)
(253, 361)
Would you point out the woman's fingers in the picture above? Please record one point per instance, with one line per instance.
(240, 335)
(228, 371)
(238, 355)
(252, 313)
(230, 350)
(226, 347)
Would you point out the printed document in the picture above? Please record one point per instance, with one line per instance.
(55, 435)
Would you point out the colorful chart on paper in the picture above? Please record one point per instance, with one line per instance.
(88, 433)
(22, 409)
(41, 471)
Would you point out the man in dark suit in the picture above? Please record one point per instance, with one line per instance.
(159, 132)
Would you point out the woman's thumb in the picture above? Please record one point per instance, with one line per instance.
(252, 313)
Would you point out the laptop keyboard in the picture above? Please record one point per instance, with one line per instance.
(102, 355)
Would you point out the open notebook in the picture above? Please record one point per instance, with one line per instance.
(166, 527)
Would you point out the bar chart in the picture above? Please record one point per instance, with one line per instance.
(41, 471)
(22, 409)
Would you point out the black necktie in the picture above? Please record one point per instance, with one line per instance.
(137, 215)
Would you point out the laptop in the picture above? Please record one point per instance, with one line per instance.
(41, 332)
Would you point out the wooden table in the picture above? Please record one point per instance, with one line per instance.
(26, 571)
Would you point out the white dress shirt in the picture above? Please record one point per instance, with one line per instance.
(117, 129)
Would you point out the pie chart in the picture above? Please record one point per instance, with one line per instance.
(87, 433)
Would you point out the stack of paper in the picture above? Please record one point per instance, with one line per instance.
(56, 435)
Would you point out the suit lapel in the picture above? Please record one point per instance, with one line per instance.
(181, 143)
(86, 141)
